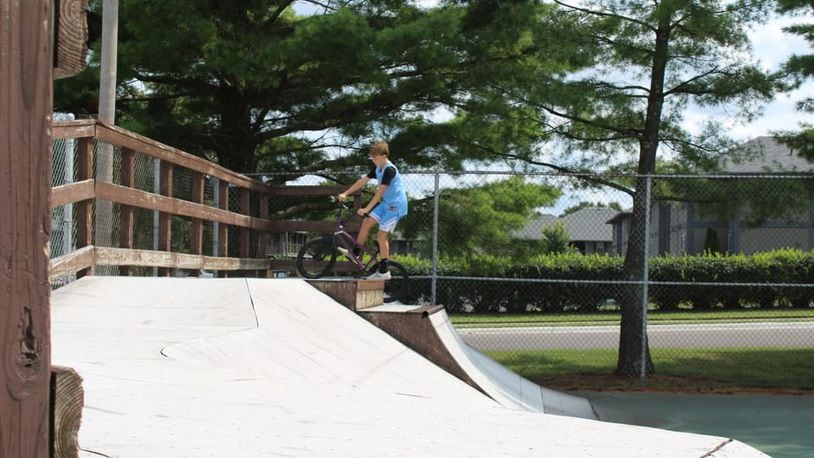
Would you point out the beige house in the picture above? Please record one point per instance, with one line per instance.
(587, 229)
(685, 228)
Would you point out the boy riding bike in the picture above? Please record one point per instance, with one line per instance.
(390, 202)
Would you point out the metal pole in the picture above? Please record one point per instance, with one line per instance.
(645, 277)
(436, 198)
(103, 216)
(67, 211)
(107, 78)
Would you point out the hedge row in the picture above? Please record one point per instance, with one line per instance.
(590, 282)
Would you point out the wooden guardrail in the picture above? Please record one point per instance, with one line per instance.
(86, 188)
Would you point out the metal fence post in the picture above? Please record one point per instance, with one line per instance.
(645, 276)
(435, 239)
(67, 212)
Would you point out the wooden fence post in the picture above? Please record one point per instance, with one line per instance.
(245, 233)
(26, 103)
(84, 209)
(197, 223)
(223, 233)
(263, 238)
(126, 178)
(165, 219)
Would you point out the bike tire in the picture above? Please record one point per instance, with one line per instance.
(317, 257)
(396, 287)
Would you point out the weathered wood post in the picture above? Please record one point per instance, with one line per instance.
(127, 222)
(198, 185)
(165, 219)
(26, 73)
(223, 234)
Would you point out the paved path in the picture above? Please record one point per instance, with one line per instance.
(719, 335)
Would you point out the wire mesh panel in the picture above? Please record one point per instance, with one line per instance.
(553, 274)
(116, 225)
(723, 267)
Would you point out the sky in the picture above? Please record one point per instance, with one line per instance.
(772, 47)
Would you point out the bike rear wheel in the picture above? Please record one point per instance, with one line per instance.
(317, 257)
(396, 287)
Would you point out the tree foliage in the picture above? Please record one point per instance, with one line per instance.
(258, 87)
(587, 204)
(801, 66)
(479, 219)
(555, 239)
(642, 65)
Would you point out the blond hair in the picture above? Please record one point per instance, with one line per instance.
(379, 148)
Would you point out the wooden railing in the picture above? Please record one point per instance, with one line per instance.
(85, 188)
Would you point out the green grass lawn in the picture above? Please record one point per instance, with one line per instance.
(605, 318)
(677, 369)
(698, 370)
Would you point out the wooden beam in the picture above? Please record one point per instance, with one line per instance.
(79, 260)
(71, 37)
(72, 193)
(149, 258)
(149, 147)
(150, 201)
(303, 190)
(326, 227)
(73, 129)
(66, 411)
(26, 105)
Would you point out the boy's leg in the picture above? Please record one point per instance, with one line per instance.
(364, 230)
(364, 233)
(384, 250)
(387, 219)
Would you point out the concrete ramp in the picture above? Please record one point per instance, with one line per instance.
(272, 367)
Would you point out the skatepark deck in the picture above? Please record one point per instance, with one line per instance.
(259, 367)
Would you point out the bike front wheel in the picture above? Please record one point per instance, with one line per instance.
(317, 257)
(396, 287)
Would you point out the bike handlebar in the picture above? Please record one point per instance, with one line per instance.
(344, 204)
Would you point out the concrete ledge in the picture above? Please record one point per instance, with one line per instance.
(353, 293)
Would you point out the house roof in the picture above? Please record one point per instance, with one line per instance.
(534, 228)
(584, 225)
(620, 216)
(590, 224)
(765, 154)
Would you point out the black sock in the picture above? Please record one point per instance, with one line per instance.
(384, 265)
(357, 251)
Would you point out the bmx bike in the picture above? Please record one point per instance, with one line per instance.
(318, 258)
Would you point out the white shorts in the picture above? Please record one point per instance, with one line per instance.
(386, 216)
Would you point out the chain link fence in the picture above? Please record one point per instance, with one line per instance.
(537, 266)
(534, 266)
(107, 224)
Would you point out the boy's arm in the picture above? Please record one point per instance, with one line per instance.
(359, 184)
(375, 200)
